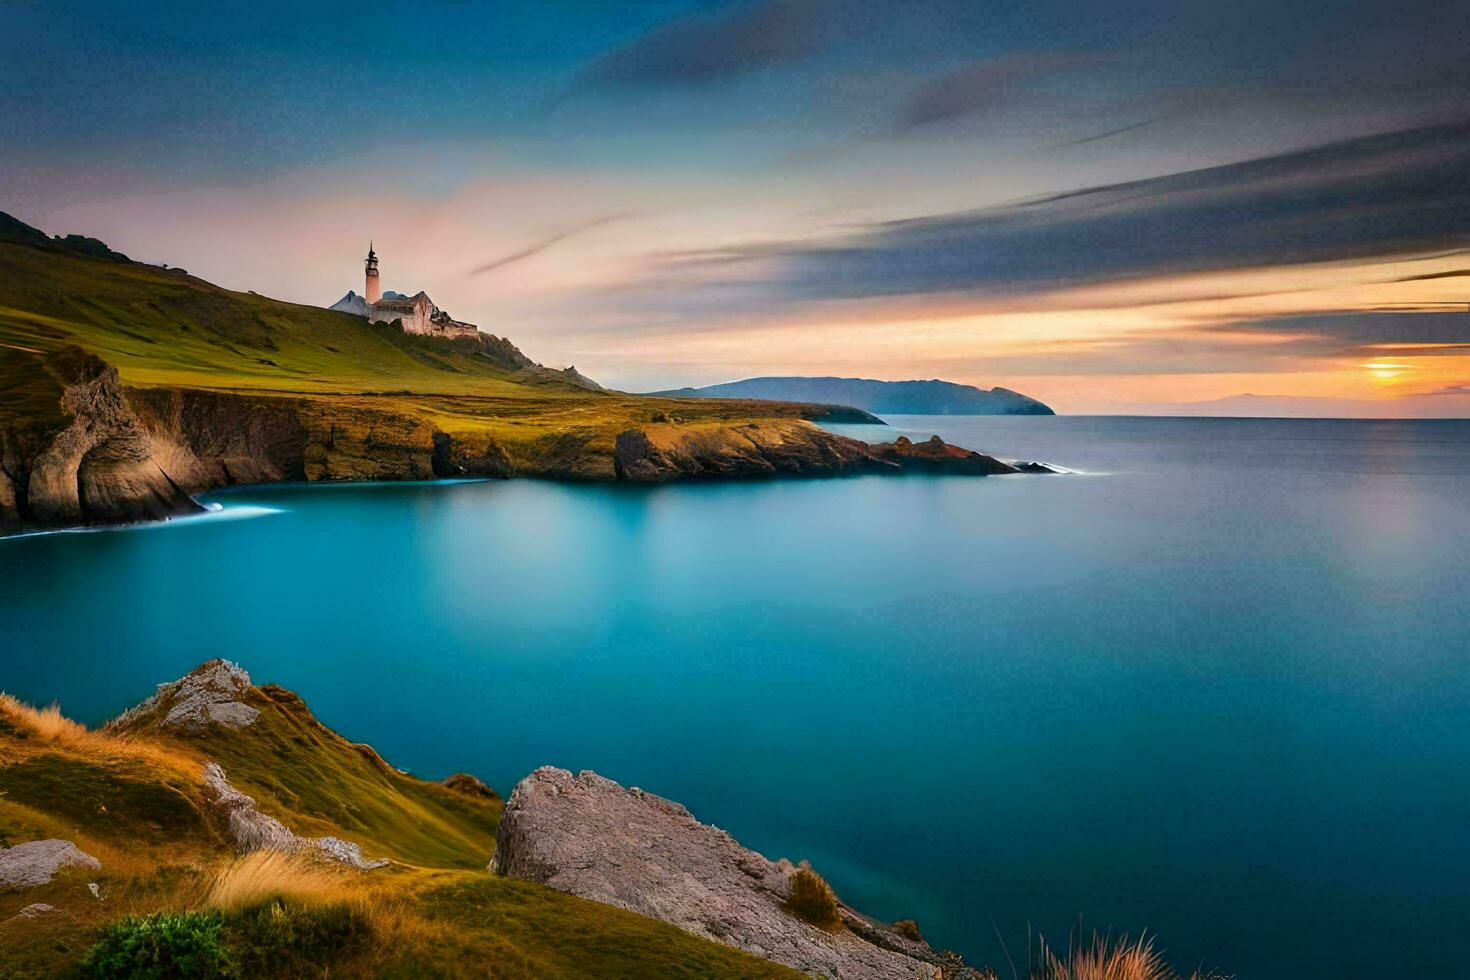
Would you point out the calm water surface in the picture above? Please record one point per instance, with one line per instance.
(1216, 687)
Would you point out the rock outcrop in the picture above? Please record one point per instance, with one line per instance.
(211, 694)
(663, 452)
(37, 862)
(589, 836)
(102, 466)
(251, 830)
(116, 455)
(937, 456)
(467, 785)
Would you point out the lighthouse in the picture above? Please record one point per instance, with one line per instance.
(372, 292)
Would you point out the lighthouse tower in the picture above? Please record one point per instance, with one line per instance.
(372, 292)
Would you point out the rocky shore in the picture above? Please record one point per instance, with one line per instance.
(115, 455)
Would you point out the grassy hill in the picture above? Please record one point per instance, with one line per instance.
(132, 797)
(345, 398)
(162, 328)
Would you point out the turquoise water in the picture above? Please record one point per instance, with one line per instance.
(1216, 687)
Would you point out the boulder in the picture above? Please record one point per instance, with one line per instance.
(36, 862)
(591, 837)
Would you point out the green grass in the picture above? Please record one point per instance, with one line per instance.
(547, 933)
(161, 328)
(319, 783)
(109, 800)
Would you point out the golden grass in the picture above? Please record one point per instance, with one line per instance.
(812, 900)
(263, 875)
(49, 728)
(399, 929)
(1105, 958)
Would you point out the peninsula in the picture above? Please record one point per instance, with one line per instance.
(127, 388)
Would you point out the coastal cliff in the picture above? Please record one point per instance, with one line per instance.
(105, 453)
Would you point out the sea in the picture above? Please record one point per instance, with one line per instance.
(1212, 684)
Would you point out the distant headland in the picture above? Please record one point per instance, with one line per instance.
(932, 397)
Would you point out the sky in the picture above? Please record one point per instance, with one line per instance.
(1140, 206)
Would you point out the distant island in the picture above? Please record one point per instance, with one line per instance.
(880, 397)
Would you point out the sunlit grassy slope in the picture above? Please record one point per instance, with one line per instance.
(162, 328)
(135, 801)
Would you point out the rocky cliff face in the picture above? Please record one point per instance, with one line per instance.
(116, 455)
(591, 837)
(662, 452)
(108, 454)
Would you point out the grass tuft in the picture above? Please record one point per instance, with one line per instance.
(813, 902)
(266, 875)
(1104, 958)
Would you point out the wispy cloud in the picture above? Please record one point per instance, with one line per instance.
(711, 46)
(980, 87)
(541, 245)
(1109, 134)
(1354, 333)
(1386, 194)
(1447, 274)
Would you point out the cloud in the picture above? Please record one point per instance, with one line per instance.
(1364, 332)
(979, 87)
(1108, 134)
(712, 46)
(1459, 389)
(536, 248)
(1387, 194)
(1448, 274)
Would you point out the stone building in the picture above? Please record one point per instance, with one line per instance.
(417, 313)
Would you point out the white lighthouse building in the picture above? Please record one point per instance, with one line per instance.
(417, 314)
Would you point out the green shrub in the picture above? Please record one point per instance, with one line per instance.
(812, 901)
(281, 938)
(908, 929)
(275, 938)
(183, 944)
